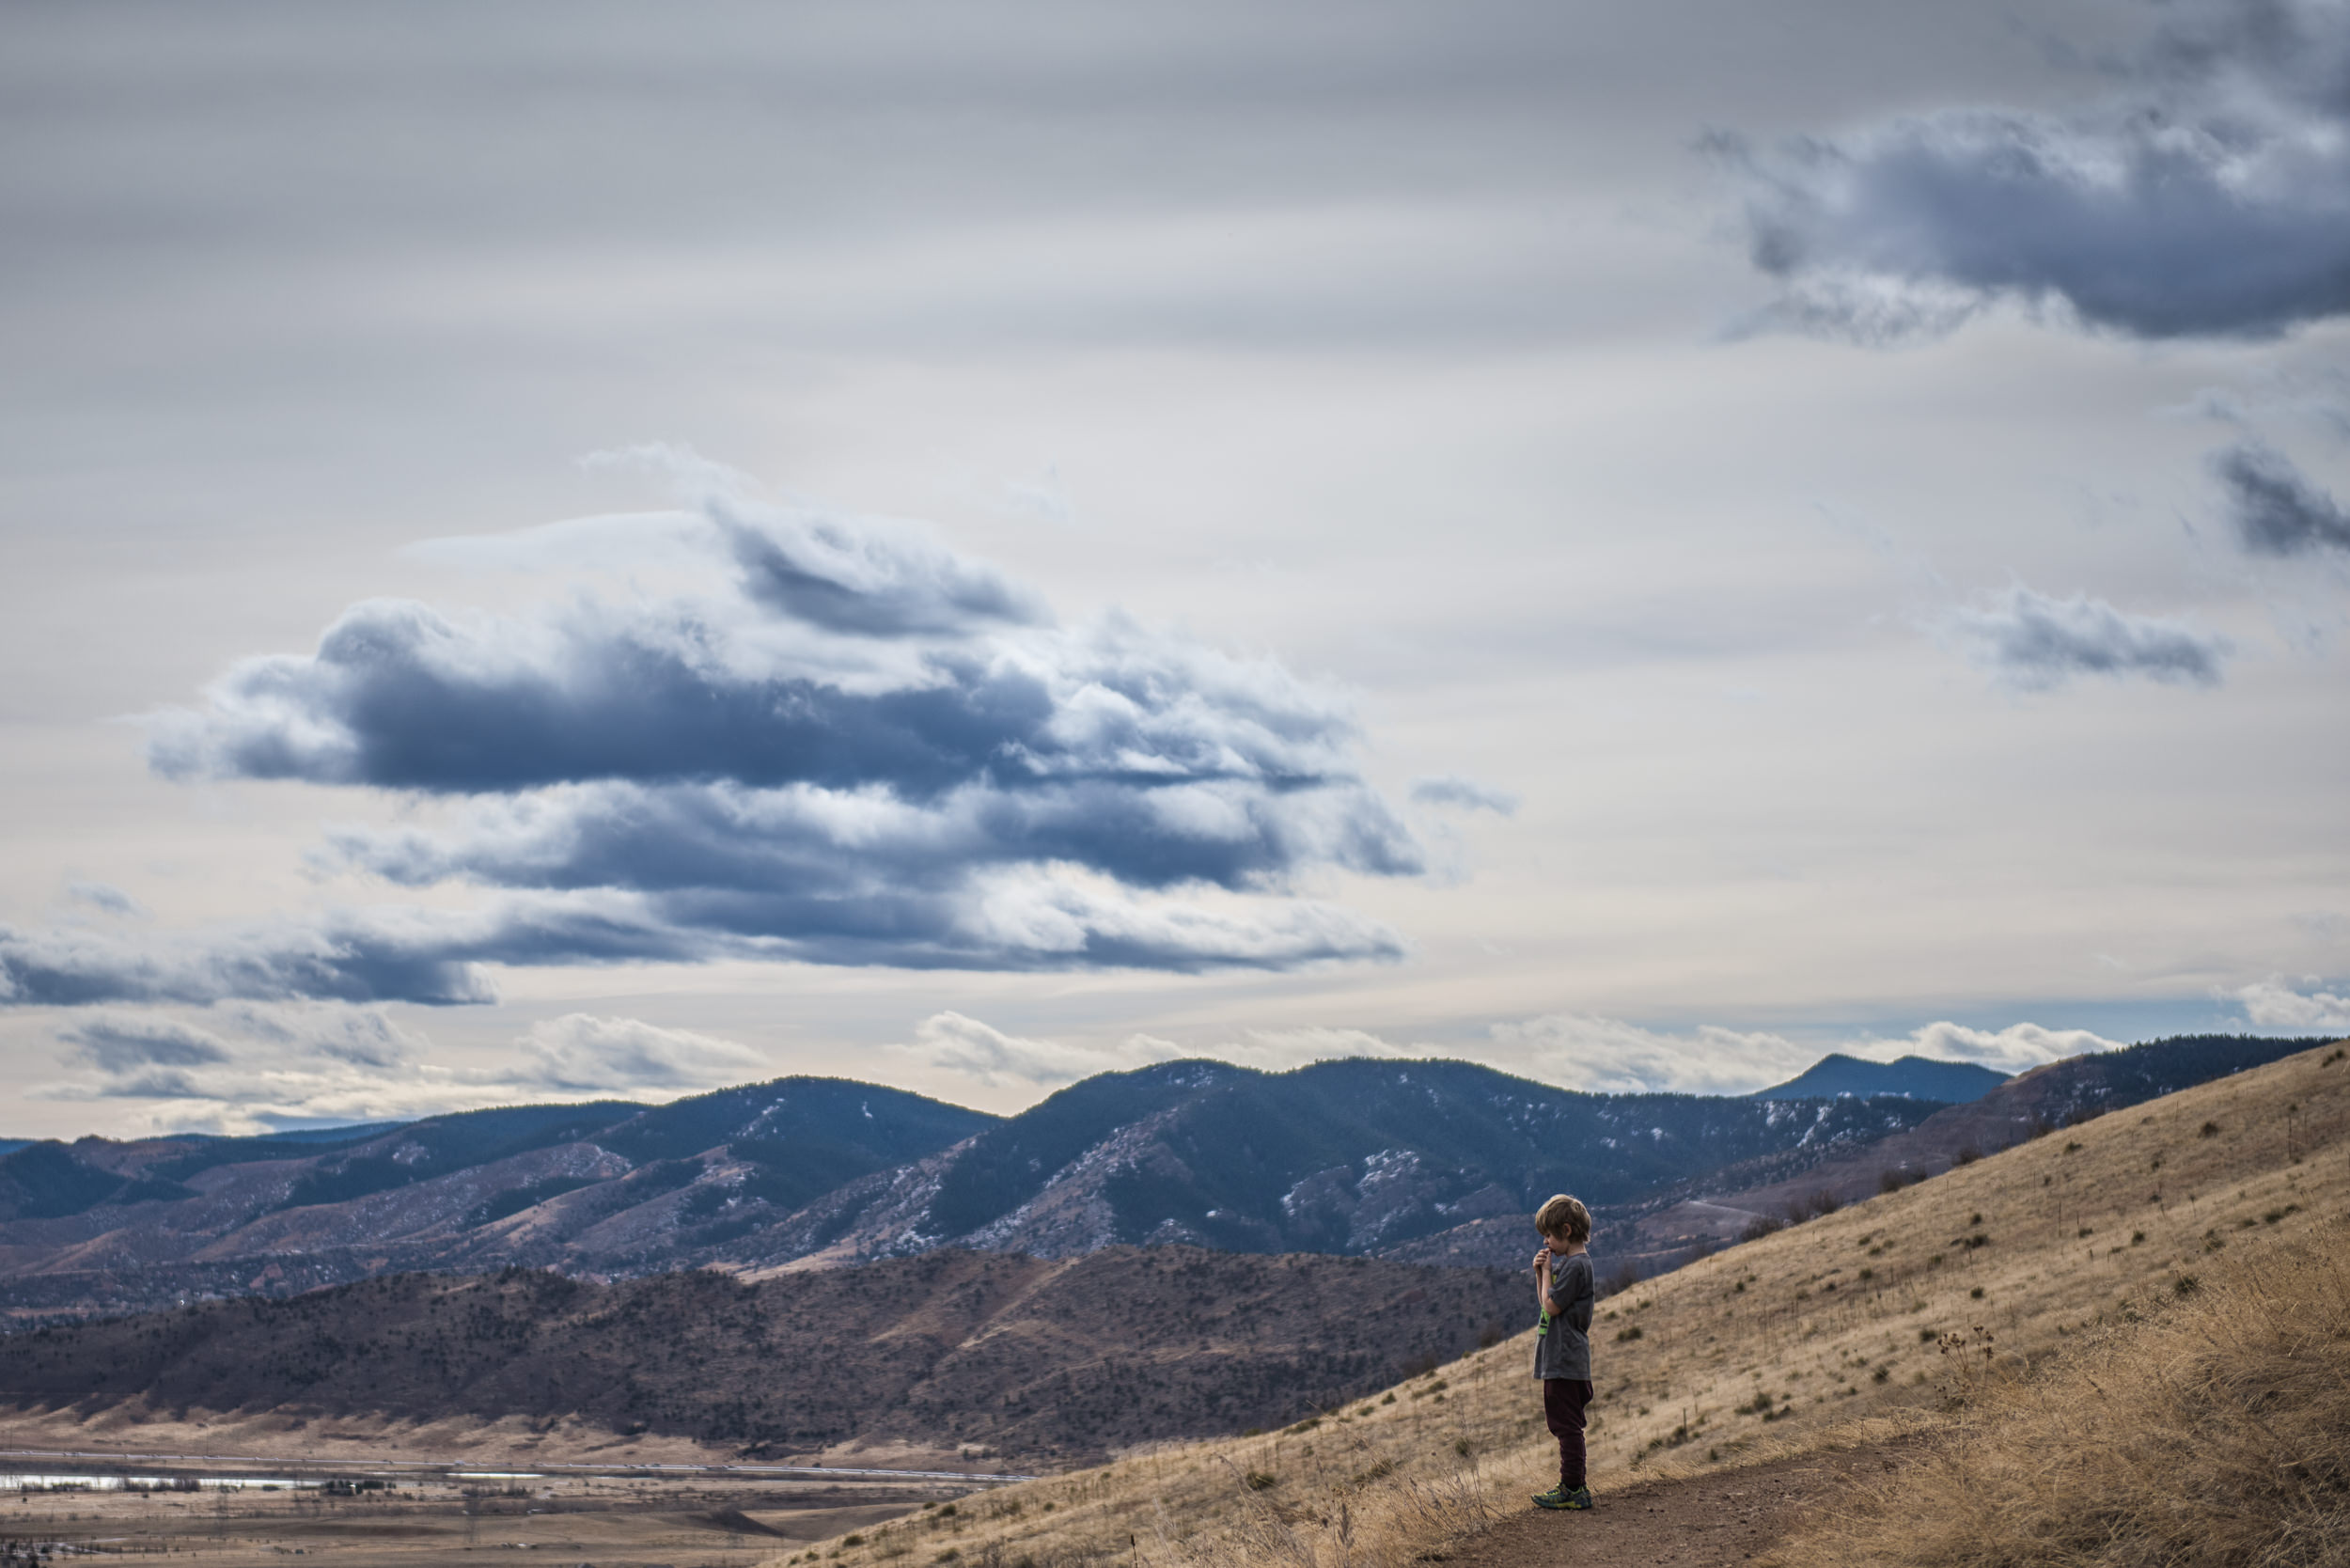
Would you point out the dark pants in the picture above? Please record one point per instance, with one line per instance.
(1564, 1400)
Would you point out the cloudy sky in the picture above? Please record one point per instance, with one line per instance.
(575, 549)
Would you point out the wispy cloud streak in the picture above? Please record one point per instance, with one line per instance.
(2032, 641)
(2276, 510)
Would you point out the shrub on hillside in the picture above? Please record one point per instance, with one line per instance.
(1816, 1205)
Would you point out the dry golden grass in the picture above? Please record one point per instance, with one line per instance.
(1888, 1317)
(2216, 1433)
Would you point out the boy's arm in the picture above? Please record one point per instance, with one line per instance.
(1541, 1281)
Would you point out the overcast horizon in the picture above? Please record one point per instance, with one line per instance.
(564, 551)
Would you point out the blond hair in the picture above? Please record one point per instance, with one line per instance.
(1565, 1218)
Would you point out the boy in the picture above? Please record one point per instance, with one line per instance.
(1563, 1344)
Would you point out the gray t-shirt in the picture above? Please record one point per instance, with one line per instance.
(1563, 1344)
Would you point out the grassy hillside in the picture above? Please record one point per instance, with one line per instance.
(1720, 1205)
(2217, 1431)
(1895, 1315)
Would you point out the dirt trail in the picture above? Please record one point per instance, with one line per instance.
(1721, 1520)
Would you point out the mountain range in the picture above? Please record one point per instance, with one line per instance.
(1432, 1161)
(1352, 1157)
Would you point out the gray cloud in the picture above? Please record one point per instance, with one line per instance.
(2276, 510)
(859, 575)
(245, 1067)
(862, 749)
(2033, 641)
(153, 1083)
(400, 697)
(852, 656)
(345, 957)
(361, 1036)
(2213, 198)
(852, 577)
(104, 896)
(1023, 917)
(1467, 793)
(127, 1043)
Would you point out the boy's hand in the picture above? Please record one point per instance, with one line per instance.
(1542, 1261)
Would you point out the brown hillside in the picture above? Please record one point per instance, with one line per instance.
(1684, 1221)
(987, 1351)
(2217, 1432)
(1888, 1318)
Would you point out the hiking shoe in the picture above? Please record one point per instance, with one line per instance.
(1559, 1496)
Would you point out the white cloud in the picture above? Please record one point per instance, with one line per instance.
(362, 1036)
(1277, 1050)
(2274, 1003)
(2017, 1048)
(579, 1051)
(952, 1043)
(1610, 1055)
(1607, 1056)
(258, 1092)
(251, 1067)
